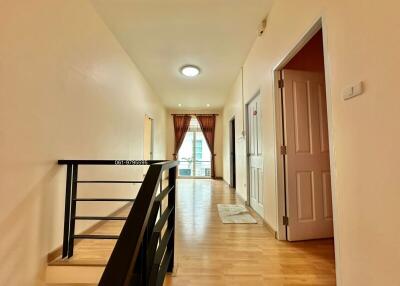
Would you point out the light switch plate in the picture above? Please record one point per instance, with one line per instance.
(348, 93)
(354, 90)
(358, 89)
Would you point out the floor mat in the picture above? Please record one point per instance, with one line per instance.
(234, 214)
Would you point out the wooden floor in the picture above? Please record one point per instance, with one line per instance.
(211, 253)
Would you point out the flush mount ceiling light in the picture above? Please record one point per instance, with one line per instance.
(190, 70)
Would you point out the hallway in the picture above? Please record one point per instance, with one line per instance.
(211, 253)
(297, 107)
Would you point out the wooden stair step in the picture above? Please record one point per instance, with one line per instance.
(73, 275)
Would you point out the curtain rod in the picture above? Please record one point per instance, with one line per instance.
(195, 114)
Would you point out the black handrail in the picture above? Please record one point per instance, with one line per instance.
(142, 255)
(110, 162)
(133, 259)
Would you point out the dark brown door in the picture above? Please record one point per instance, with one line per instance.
(232, 153)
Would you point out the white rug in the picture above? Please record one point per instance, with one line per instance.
(234, 214)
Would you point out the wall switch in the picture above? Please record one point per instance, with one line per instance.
(358, 89)
(347, 92)
(352, 91)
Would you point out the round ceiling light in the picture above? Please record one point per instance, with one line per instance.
(190, 71)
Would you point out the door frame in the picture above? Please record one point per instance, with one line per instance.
(318, 24)
(146, 116)
(246, 119)
(232, 142)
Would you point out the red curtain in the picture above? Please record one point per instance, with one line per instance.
(181, 126)
(207, 125)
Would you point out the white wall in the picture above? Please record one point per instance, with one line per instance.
(218, 136)
(234, 108)
(362, 44)
(67, 90)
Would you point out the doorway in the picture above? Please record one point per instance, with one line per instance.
(194, 155)
(254, 155)
(305, 189)
(232, 150)
(148, 143)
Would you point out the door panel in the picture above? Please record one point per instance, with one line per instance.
(302, 118)
(255, 162)
(308, 183)
(305, 196)
(260, 186)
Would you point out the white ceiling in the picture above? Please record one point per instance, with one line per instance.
(162, 35)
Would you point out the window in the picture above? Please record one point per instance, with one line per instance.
(185, 172)
(194, 155)
(198, 149)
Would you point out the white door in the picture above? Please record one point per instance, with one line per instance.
(308, 180)
(255, 162)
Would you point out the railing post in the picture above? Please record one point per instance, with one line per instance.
(67, 213)
(73, 210)
(142, 263)
(144, 260)
(171, 219)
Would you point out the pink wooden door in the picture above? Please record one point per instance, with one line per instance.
(308, 181)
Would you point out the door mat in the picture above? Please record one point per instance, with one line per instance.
(234, 214)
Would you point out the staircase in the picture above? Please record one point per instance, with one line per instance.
(133, 245)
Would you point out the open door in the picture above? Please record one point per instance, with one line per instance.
(308, 183)
(255, 160)
(232, 150)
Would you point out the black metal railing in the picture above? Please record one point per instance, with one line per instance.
(144, 251)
